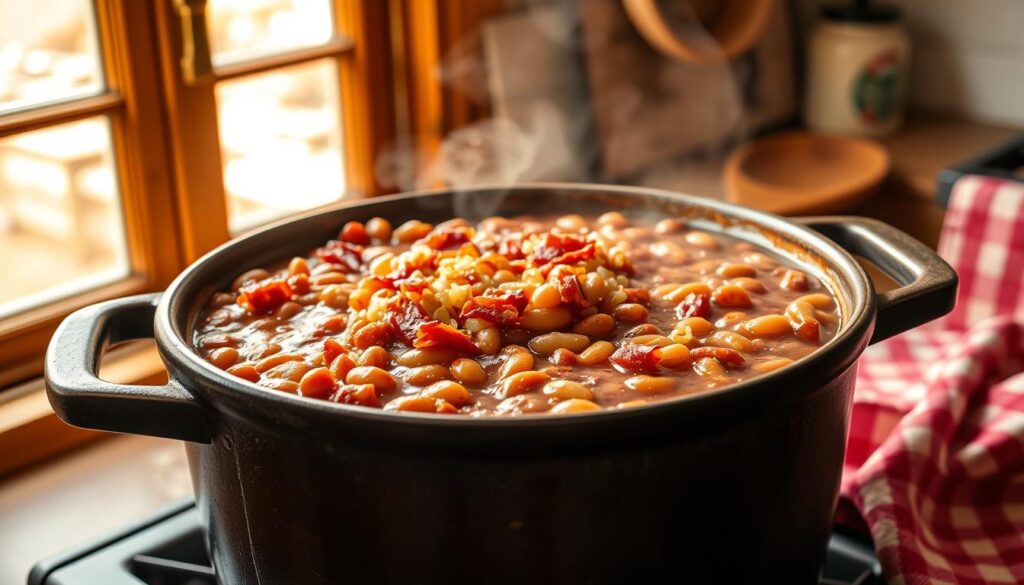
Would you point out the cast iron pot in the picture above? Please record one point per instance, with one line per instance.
(731, 486)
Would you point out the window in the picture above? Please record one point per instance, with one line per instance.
(136, 135)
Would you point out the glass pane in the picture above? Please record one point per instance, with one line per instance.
(61, 228)
(244, 29)
(47, 54)
(281, 138)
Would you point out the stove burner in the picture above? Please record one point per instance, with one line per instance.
(168, 549)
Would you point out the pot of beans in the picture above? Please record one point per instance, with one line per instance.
(535, 384)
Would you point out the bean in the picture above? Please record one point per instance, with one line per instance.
(426, 375)
(699, 325)
(292, 370)
(571, 222)
(354, 232)
(750, 284)
(282, 385)
(676, 295)
(317, 383)
(503, 276)
(545, 319)
(546, 296)
(425, 356)
(659, 340)
(771, 365)
(275, 360)
(288, 310)
(575, 405)
(730, 295)
(468, 371)
(411, 231)
(613, 299)
(372, 334)
(709, 367)
(632, 403)
(489, 340)
(245, 371)
(768, 326)
(216, 340)
(382, 380)
(730, 340)
(734, 270)
(668, 226)
(634, 312)
(341, 366)
(597, 353)
(613, 218)
(548, 343)
(249, 277)
(644, 329)
(702, 240)
(594, 287)
(651, 384)
(794, 280)
(731, 319)
(333, 325)
(669, 250)
(328, 278)
(596, 325)
(759, 260)
(335, 296)
(379, 229)
(522, 382)
(452, 392)
(673, 356)
(375, 355)
(419, 404)
(298, 265)
(819, 301)
(223, 357)
(517, 359)
(804, 320)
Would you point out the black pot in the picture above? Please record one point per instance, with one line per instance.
(731, 486)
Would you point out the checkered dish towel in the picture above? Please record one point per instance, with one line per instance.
(935, 459)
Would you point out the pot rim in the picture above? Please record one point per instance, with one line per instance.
(837, 354)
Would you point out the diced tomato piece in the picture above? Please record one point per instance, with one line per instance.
(725, 356)
(437, 334)
(554, 246)
(265, 296)
(694, 305)
(502, 310)
(809, 330)
(584, 253)
(405, 317)
(564, 279)
(361, 394)
(332, 349)
(348, 256)
(511, 247)
(446, 239)
(634, 357)
(637, 295)
(299, 283)
(354, 232)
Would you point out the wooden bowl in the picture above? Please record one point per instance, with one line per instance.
(700, 31)
(795, 173)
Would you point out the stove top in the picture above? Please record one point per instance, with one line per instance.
(168, 549)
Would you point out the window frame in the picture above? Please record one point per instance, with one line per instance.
(164, 135)
(130, 101)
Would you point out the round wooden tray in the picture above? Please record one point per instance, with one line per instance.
(797, 173)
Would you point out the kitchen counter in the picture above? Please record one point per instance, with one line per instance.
(84, 495)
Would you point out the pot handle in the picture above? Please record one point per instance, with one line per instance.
(928, 284)
(81, 399)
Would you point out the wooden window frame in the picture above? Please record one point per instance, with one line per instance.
(169, 167)
(130, 101)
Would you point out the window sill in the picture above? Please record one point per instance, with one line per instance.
(30, 432)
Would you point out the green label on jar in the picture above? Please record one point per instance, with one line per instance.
(876, 88)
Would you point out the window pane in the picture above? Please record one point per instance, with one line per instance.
(281, 139)
(244, 29)
(47, 53)
(61, 229)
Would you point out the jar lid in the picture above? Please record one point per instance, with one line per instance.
(861, 11)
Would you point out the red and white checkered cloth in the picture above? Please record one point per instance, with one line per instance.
(935, 458)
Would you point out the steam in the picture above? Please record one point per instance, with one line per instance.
(531, 66)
